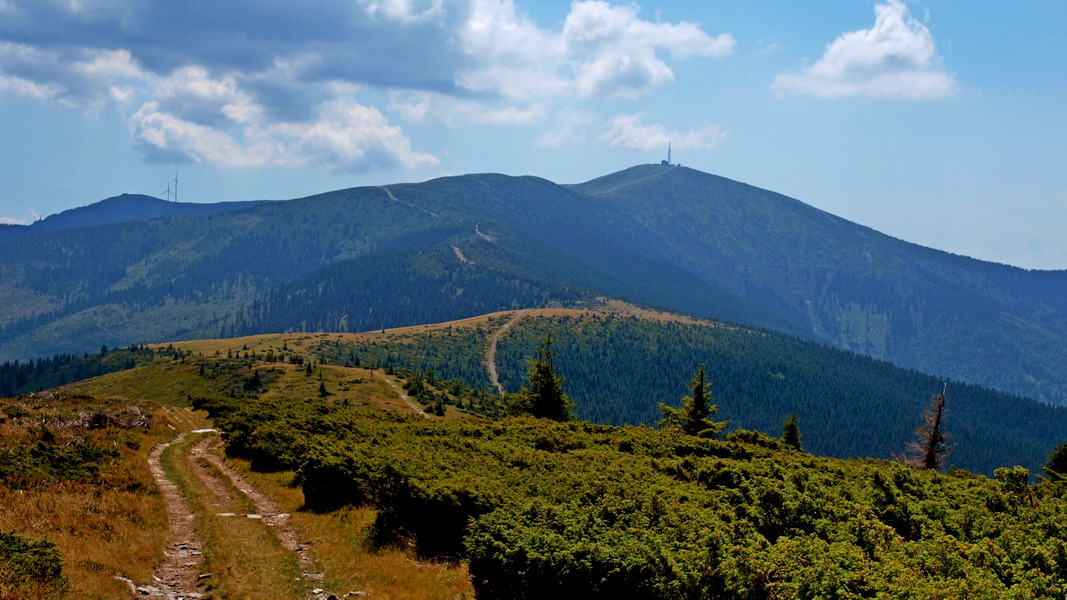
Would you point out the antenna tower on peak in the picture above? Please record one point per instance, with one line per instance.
(667, 163)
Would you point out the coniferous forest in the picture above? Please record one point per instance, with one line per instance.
(619, 368)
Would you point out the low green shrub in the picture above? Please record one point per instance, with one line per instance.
(27, 561)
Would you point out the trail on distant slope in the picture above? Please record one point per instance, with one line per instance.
(622, 185)
(490, 352)
(398, 201)
(404, 396)
(461, 256)
(483, 235)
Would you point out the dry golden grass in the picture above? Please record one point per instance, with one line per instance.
(101, 530)
(121, 529)
(341, 549)
(304, 344)
(354, 385)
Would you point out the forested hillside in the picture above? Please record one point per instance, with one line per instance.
(665, 236)
(852, 286)
(618, 368)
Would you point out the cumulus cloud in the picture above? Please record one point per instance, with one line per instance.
(251, 83)
(897, 58)
(614, 53)
(631, 132)
(404, 10)
(601, 51)
(345, 136)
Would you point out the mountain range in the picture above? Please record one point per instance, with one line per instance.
(657, 235)
(117, 209)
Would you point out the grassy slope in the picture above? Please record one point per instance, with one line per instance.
(116, 523)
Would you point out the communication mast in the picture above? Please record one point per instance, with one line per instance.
(667, 163)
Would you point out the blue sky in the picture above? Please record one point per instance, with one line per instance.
(940, 122)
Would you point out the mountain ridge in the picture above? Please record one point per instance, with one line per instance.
(123, 208)
(663, 236)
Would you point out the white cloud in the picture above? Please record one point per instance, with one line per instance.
(631, 132)
(84, 77)
(439, 109)
(404, 10)
(897, 58)
(346, 136)
(34, 216)
(23, 87)
(294, 93)
(510, 55)
(601, 51)
(614, 53)
(189, 114)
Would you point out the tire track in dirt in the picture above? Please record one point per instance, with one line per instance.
(266, 508)
(490, 352)
(175, 578)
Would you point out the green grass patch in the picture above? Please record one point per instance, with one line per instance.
(243, 555)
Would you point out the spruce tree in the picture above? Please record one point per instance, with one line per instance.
(543, 396)
(791, 432)
(1056, 467)
(693, 417)
(253, 383)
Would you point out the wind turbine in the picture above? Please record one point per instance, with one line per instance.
(167, 193)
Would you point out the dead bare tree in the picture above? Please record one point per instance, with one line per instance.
(929, 449)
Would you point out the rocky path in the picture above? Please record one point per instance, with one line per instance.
(182, 568)
(490, 352)
(175, 578)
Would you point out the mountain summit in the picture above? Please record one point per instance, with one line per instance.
(117, 209)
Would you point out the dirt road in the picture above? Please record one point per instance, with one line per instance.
(490, 352)
(215, 484)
